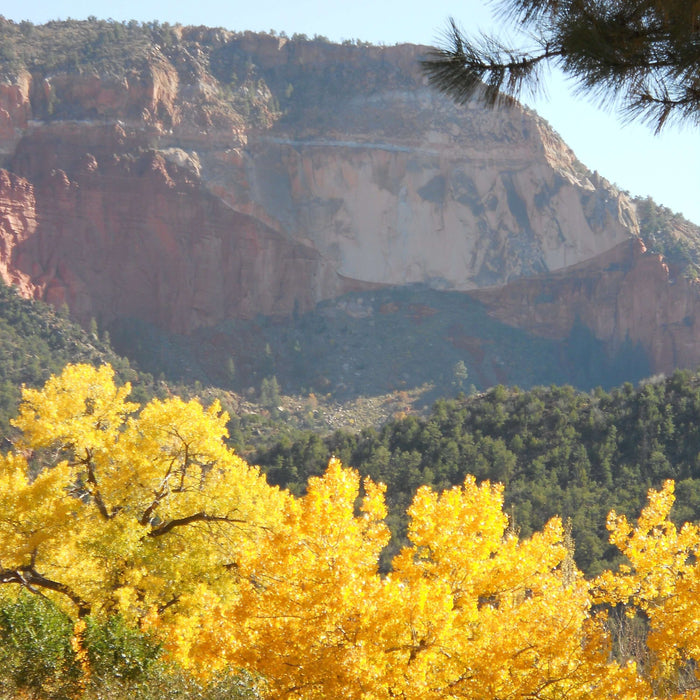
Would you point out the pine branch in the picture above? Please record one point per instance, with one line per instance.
(640, 57)
(485, 69)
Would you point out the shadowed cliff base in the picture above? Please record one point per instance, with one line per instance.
(379, 342)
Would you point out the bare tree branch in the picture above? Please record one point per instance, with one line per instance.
(164, 528)
(30, 578)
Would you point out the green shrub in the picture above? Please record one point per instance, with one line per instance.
(37, 660)
(35, 651)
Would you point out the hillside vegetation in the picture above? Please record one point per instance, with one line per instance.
(144, 540)
(558, 451)
(670, 234)
(37, 341)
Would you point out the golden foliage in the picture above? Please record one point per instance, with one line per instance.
(132, 510)
(661, 584)
(107, 506)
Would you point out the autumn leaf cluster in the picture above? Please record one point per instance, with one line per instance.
(108, 508)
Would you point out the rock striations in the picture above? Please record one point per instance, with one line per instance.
(215, 175)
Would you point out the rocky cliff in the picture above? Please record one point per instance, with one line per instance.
(121, 231)
(626, 294)
(185, 176)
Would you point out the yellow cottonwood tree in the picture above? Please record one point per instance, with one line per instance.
(109, 507)
(503, 617)
(661, 583)
(307, 608)
(468, 611)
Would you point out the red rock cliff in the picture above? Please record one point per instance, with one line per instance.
(117, 234)
(626, 294)
(213, 175)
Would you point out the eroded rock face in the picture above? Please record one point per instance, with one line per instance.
(456, 198)
(448, 211)
(120, 234)
(15, 110)
(626, 294)
(173, 194)
(17, 224)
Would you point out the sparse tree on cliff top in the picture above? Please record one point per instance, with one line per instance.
(640, 56)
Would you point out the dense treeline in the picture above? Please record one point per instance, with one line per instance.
(105, 46)
(558, 452)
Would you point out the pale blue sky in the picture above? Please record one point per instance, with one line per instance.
(667, 167)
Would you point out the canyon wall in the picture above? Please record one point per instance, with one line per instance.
(222, 175)
(626, 294)
(127, 233)
(463, 199)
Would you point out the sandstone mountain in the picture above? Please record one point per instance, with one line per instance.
(186, 178)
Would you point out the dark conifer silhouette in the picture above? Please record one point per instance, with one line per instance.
(640, 57)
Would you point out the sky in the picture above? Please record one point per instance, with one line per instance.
(665, 167)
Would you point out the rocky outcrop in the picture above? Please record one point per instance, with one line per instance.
(17, 224)
(217, 175)
(401, 186)
(118, 235)
(15, 110)
(626, 294)
(440, 209)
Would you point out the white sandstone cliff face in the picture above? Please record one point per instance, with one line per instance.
(468, 199)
